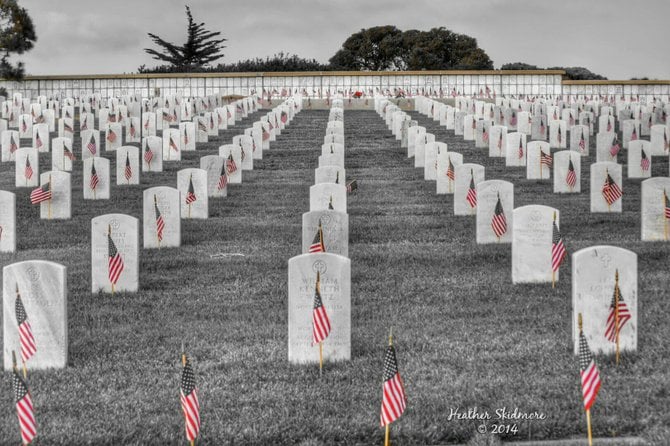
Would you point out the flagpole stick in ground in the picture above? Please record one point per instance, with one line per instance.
(387, 437)
(616, 312)
(321, 358)
(50, 197)
(588, 411)
(665, 217)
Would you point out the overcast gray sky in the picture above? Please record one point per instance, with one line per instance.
(619, 39)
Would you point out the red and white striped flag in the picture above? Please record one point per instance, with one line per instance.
(589, 373)
(623, 315)
(394, 400)
(616, 148)
(231, 166)
(545, 159)
(190, 194)
(111, 135)
(91, 145)
(223, 178)
(633, 136)
(188, 397)
(173, 145)
(582, 142)
(666, 206)
(558, 251)
(148, 154)
(318, 244)
(115, 261)
(83, 124)
(24, 408)
(128, 173)
(611, 191)
(571, 177)
(542, 127)
(450, 170)
(645, 164)
(471, 196)
(38, 140)
(499, 221)
(13, 147)
(40, 194)
(26, 338)
(160, 223)
(132, 129)
(68, 153)
(320, 320)
(520, 153)
(95, 180)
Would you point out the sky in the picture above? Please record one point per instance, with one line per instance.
(618, 39)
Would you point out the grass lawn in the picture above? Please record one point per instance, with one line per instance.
(465, 336)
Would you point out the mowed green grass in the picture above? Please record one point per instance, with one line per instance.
(465, 335)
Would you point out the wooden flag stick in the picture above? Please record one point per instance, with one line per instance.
(616, 312)
(588, 426)
(321, 358)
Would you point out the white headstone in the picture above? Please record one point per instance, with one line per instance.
(593, 283)
(579, 139)
(246, 150)
(445, 183)
(655, 202)
(558, 136)
(660, 140)
(192, 183)
(42, 287)
(498, 141)
(532, 244)
(109, 233)
(162, 222)
(90, 144)
(127, 166)
(639, 159)
(335, 291)
(631, 131)
(7, 221)
(171, 145)
(329, 174)
(465, 190)
(59, 207)
(10, 144)
(217, 178)
(96, 182)
(323, 196)
(539, 160)
(26, 167)
(515, 149)
(495, 223)
(335, 227)
(600, 173)
(567, 172)
(152, 154)
(41, 140)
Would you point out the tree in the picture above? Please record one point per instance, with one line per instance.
(519, 66)
(201, 47)
(579, 73)
(17, 35)
(388, 48)
(373, 49)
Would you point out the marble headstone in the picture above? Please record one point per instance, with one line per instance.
(323, 194)
(123, 231)
(335, 227)
(488, 194)
(167, 201)
(532, 243)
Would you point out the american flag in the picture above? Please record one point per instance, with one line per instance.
(83, 125)
(188, 397)
(500, 141)
(614, 150)
(545, 158)
(173, 145)
(231, 166)
(68, 153)
(520, 154)
(609, 124)
(24, 125)
(13, 147)
(474, 123)
(394, 400)
(317, 244)
(560, 135)
(513, 120)
(666, 146)
(582, 142)
(167, 116)
(242, 154)
(24, 409)
(128, 173)
(542, 127)
(228, 114)
(485, 135)
(211, 121)
(94, 177)
(111, 117)
(645, 164)
(266, 134)
(284, 117)
(26, 338)
(132, 129)
(115, 261)
(352, 186)
(611, 191)
(223, 178)
(320, 321)
(190, 194)
(201, 126)
(40, 194)
(471, 196)
(558, 252)
(28, 173)
(67, 128)
(111, 136)
(589, 373)
(623, 315)
(185, 136)
(219, 118)
(666, 205)
(450, 170)
(160, 223)
(146, 124)
(499, 221)
(555, 115)
(633, 136)
(148, 154)
(38, 140)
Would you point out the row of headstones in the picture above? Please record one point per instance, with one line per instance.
(567, 169)
(328, 213)
(530, 230)
(114, 262)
